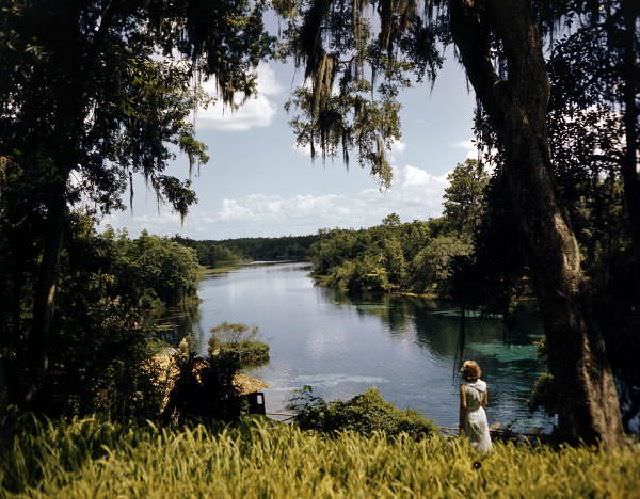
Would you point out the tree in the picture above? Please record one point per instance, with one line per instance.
(431, 266)
(591, 146)
(514, 101)
(464, 197)
(92, 92)
(517, 108)
(391, 220)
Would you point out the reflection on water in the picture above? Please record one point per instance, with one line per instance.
(408, 347)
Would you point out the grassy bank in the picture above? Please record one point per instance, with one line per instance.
(204, 272)
(88, 458)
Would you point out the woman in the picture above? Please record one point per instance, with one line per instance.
(473, 400)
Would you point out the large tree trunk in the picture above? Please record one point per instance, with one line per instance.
(631, 77)
(67, 127)
(45, 293)
(517, 108)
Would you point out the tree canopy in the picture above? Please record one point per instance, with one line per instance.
(95, 91)
(501, 48)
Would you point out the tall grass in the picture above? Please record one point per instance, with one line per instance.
(90, 458)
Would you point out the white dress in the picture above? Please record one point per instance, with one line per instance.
(475, 420)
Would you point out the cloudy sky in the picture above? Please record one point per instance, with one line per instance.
(257, 183)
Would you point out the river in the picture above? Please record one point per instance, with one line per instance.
(340, 345)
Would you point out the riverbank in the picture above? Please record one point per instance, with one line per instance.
(407, 347)
(259, 458)
(204, 272)
(325, 280)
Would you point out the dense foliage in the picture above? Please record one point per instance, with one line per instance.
(101, 340)
(230, 251)
(92, 93)
(384, 257)
(90, 457)
(155, 268)
(365, 414)
(592, 126)
(417, 256)
(558, 116)
(203, 389)
(238, 341)
(87, 101)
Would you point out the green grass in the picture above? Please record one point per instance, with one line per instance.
(222, 268)
(90, 458)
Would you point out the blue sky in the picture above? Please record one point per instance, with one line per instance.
(258, 184)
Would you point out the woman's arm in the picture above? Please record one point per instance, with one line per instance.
(485, 397)
(463, 408)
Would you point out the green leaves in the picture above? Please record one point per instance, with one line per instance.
(414, 256)
(464, 199)
(365, 414)
(338, 108)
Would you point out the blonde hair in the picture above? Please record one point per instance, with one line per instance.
(471, 371)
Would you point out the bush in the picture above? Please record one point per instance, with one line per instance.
(238, 341)
(364, 414)
(204, 389)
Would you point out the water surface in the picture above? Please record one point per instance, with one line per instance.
(342, 345)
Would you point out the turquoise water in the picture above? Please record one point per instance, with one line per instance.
(342, 345)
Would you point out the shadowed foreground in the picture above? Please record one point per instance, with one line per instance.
(89, 458)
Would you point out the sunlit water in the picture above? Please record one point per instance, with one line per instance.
(341, 345)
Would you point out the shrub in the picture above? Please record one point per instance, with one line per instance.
(364, 414)
(238, 341)
(204, 389)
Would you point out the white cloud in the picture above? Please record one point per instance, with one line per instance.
(302, 150)
(471, 147)
(273, 208)
(415, 194)
(164, 222)
(256, 112)
(398, 147)
(472, 153)
(411, 177)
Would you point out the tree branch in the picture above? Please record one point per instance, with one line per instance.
(472, 39)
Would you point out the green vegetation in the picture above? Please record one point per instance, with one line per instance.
(87, 102)
(417, 256)
(202, 388)
(230, 252)
(102, 336)
(564, 204)
(365, 414)
(239, 342)
(155, 268)
(94, 458)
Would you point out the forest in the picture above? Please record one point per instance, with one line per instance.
(420, 256)
(214, 254)
(96, 92)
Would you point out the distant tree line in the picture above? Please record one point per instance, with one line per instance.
(417, 256)
(231, 251)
